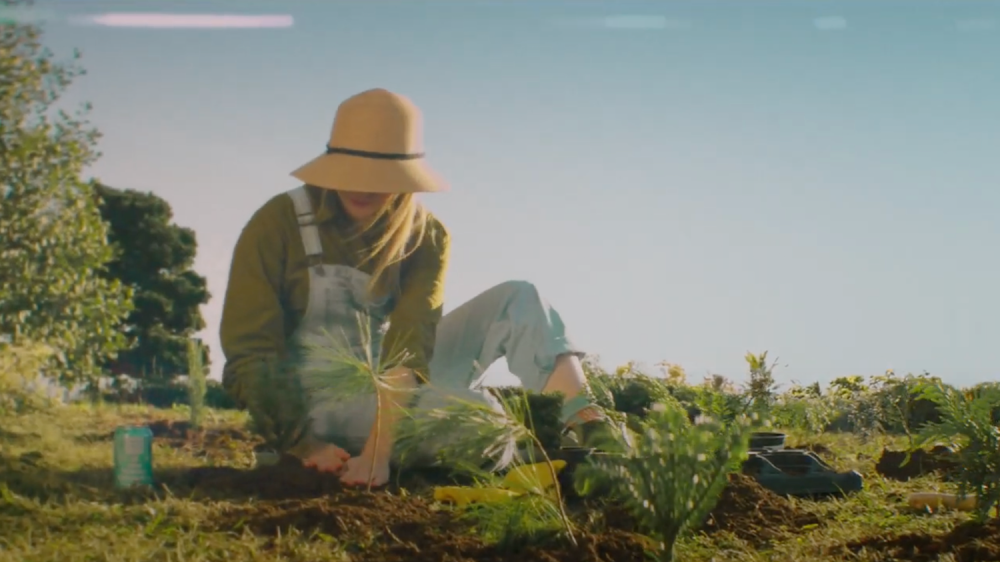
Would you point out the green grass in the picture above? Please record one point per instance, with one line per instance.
(57, 502)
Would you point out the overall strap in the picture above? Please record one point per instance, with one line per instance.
(307, 225)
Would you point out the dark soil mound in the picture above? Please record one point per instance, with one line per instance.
(288, 479)
(745, 509)
(939, 459)
(392, 528)
(968, 542)
(381, 525)
(754, 513)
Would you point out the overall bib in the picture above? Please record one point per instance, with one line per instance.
(510, 320)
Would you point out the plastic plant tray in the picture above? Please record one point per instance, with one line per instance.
(767, 441)
(800, 473)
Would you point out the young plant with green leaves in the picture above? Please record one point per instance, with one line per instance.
(334, 370)
(469, 435)
(969, 426)
(761, 390)
(674, 473)
(197, 381)
(531, 519)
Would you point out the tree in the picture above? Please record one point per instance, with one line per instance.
(154, 258)
(53, 243)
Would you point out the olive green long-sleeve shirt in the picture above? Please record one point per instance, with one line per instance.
(268, 289)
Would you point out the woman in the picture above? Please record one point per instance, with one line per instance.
(354, 240)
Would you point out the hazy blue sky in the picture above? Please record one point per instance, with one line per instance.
(685, 180)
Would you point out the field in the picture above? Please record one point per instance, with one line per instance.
(58, 503)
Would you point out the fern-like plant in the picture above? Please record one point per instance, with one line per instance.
(197, 383)
(470, 435)
(673, 474)
(969, 426)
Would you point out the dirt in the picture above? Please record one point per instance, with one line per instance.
(938, 460)
(288, 479)
(754, 513)
(202, 442)
(382, 525)
(745, 509)
(967, 542)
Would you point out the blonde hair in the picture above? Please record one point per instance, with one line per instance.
(403, 226)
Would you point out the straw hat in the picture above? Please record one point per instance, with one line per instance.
(376, 146)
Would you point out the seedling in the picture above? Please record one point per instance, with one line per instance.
(968, 425)
(674, 473)
(469, 435)
(197, 385)
(336, 372)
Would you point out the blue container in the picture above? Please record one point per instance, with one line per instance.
(133, 464)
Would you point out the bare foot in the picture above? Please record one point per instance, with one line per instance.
(358, 470)
(327, 458)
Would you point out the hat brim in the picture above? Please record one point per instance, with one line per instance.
(370, 175)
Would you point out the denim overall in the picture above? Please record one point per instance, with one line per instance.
(510, 320)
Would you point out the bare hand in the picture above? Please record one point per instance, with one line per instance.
(327, 458)
(358, 470)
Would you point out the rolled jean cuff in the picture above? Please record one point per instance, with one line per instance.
(574, 406)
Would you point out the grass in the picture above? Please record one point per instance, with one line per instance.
(56, 501)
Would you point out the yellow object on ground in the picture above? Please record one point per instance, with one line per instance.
(463, 495)
(530, 477)
(520, 480)
(934, 500)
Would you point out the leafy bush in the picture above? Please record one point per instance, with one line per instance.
(969, 425)
(883, 404)
(804, 409)
(21, 383)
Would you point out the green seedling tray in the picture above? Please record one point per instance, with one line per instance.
(800, 473)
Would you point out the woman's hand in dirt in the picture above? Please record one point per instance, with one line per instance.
(327, 458)
(358, 470)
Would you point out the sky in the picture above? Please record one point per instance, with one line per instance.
(684, 181)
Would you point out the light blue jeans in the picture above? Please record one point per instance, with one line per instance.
(510, 320)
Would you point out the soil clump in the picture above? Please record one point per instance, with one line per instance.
(755, 514)
(382, 525)
(940, 460)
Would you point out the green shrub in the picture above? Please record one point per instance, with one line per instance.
(969, 425)
(21, 383)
